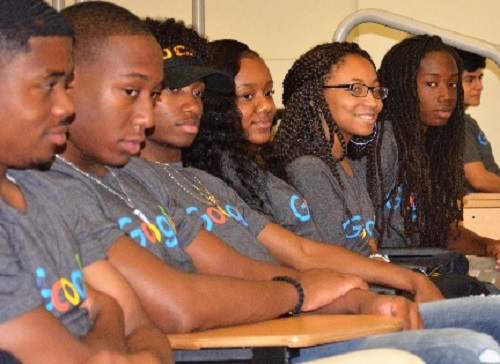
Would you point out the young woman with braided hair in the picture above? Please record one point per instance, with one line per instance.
(421, 153)
(332, 98)
(232, 131)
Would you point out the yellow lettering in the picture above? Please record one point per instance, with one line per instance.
(167, 53)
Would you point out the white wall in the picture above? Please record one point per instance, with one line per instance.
(281, 30)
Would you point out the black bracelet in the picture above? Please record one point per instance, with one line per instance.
(298, 307)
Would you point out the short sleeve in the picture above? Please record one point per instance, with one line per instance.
(18, 291)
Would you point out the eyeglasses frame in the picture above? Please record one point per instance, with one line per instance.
(350, 86)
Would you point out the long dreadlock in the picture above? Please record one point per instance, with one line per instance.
(430, 162)
(221, 147)
(301, 131)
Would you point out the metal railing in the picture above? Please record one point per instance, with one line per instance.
(198, 12)
(60, 4)
(412, 26)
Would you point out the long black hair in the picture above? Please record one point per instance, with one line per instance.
(221, 147)
(430, 161)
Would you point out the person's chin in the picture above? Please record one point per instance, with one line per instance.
(439, 123)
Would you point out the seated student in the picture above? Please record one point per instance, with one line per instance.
(113, 99)
(331, 94)
(177, 113)
(219, 207)
(325, 129)
(421, 147)
(113, 88)
(48, 264)
(481, 171)
(279, 201)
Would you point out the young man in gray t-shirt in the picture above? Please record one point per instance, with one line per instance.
(481, 171)
(49, 312)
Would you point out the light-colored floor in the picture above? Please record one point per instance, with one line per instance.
(375, 356)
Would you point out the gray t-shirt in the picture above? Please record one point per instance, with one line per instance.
(229, 218)
(164, 228)
(477, 148)
(43, 251)
(330, 204)
(290, 209)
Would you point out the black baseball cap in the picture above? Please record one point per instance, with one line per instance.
(181, 68)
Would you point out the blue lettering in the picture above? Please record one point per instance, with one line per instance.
(235, 214)
(302, 211)
(168, 231)
(355, 229)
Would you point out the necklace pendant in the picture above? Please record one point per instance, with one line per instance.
(223, 212)
(141, 216)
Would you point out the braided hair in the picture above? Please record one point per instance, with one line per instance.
(221, 147)
(430, 162)
(301, 131)
(22, 19)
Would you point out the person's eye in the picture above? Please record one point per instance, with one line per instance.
(247, 97)
(468, 79)
(453, 84)
(357, 87)
(431, 84)
(269, 93)
(132, 92)
(198, 93)
(155, 95)
(49, 86)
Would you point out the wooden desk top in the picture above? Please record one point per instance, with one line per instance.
(482, 200)
(292, 332)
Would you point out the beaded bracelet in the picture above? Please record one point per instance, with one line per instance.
(298, 307)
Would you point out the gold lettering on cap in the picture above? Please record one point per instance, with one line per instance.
(178, 50)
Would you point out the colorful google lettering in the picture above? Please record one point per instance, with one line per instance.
(217, 215)
(65, 293)
(163, 230)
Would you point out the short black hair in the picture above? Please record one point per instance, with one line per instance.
(471, 61)
(22, 19)
(95, 21)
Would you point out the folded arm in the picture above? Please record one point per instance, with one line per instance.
(369, 303)
(180, 302)
(38, 337)
(140, 333)
(302, 254)
(468, 242)
(480, 178)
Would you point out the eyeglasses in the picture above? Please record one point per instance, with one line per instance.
(361, 90)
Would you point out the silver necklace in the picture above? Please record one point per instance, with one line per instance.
(203, 194)
(122, 196)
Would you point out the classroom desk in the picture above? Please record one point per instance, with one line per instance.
(482, 215)
(277, 341)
